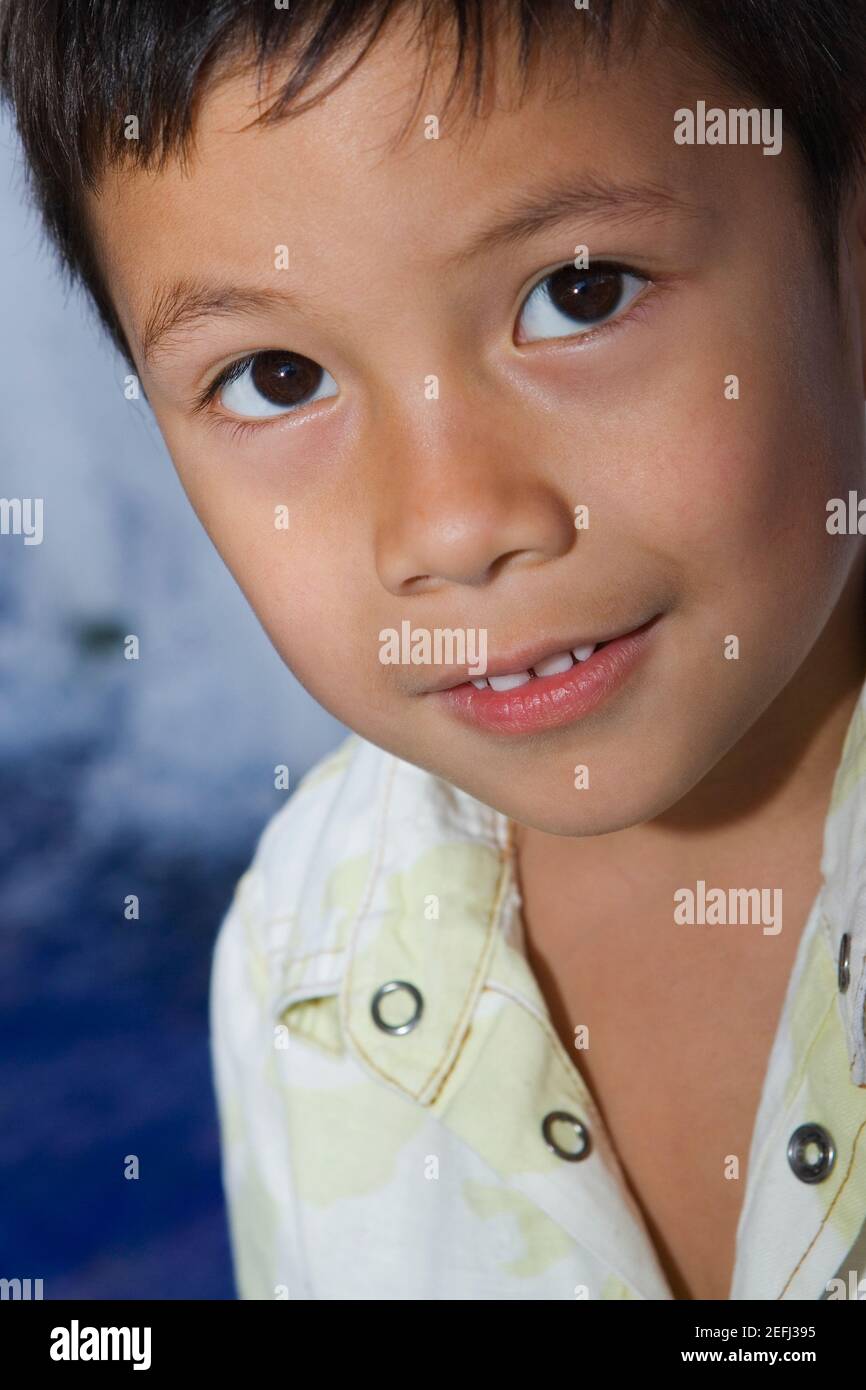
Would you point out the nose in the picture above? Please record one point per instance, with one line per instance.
(465, 494)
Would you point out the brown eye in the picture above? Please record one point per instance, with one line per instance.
(274, 383)
(586, 295)
(569, 300)
(284, 380)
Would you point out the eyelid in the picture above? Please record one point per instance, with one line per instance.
(600, 263)
(238, 428)
(241, 427)
(596, 263)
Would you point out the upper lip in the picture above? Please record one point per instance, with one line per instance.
(521, 659)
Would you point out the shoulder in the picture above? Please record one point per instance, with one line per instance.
(319, 821)
(327, 820)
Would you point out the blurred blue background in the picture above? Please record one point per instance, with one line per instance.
(152, 777)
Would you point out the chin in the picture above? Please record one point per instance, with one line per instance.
(590, 811)
(557, 816)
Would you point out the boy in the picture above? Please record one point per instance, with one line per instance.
(532, 428)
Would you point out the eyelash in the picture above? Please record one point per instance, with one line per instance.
(244, 429)
(237, 429)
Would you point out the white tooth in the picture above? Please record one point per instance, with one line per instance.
(480, 685)
(554, 665)
(583, 653)
(509, 682)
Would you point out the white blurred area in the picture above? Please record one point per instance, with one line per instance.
(178, 747)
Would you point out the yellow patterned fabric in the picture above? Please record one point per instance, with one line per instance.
(364, 1163)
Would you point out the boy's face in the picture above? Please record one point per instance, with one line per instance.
(451, 504)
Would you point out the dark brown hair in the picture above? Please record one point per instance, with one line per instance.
(72, 70)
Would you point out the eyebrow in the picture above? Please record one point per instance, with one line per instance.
(586, 200)
(186, 302)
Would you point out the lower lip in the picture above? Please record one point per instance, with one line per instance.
(548, 702)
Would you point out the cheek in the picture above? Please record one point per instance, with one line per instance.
(307, 582)
(302, 593)
(737, 487)
(297, 585)
(292, 555)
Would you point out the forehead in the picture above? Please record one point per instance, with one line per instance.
(383, 170)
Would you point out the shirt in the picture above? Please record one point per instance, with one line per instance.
(362, 1162)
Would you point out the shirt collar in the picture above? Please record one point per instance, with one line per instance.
(433, 908)
(843, 895)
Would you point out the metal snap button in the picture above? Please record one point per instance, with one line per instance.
(580, 1130)
(387, 989)
(811, 1153)
(844, 963)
